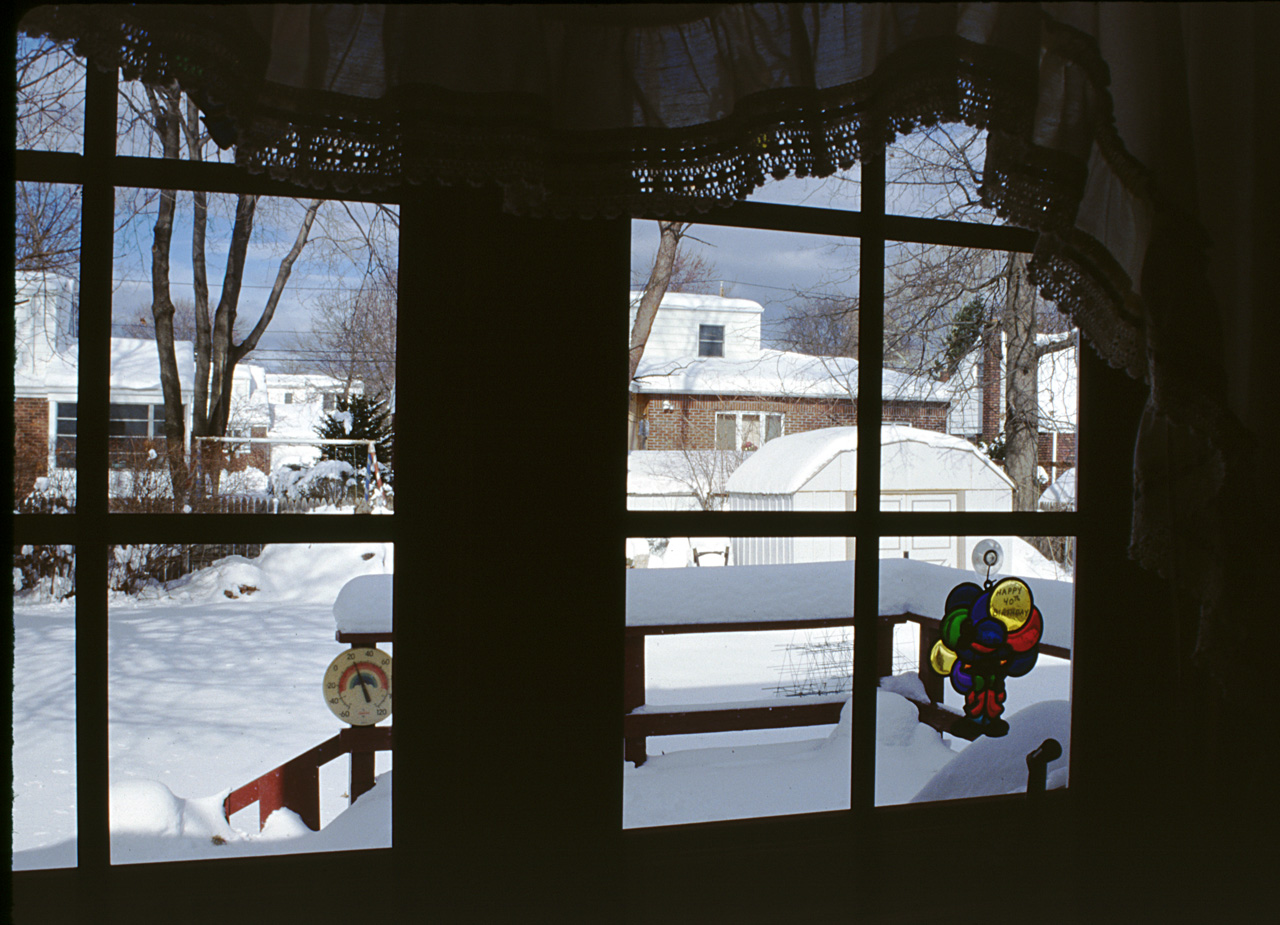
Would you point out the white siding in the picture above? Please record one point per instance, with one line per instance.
(675, 327)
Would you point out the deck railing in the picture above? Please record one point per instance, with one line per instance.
(641, 720)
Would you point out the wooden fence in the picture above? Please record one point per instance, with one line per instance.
(641, 720)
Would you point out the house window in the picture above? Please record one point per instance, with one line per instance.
(711, 340)
(330, 401)
(746, 430)
(65, 436)
(288, 398)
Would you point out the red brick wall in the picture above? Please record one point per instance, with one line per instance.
(1066, 457)
(30, 443)
(691, 422)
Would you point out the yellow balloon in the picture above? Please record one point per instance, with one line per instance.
(941, 658)
(1011, 603)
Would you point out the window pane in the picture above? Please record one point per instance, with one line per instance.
(738, 680)
(305, 402)
(50, 96)
(46, 323)
(788, 305)
(44, 707)
(219, 672)
(843, 190)
(982, 382)
(980, 668)
(935, 172)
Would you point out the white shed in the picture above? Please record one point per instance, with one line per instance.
(921, 470)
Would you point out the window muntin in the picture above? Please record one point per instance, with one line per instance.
(710, 340)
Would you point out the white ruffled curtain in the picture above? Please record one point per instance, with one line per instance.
(1116, 130)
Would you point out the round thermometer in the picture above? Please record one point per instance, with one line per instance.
(357, 686)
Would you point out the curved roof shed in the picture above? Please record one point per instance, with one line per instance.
(921, 470)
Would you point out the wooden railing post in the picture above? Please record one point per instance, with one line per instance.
(634, 747)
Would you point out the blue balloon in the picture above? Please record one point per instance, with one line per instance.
(962, 595)
(961, 680)
(990, 633)
(1021, 664)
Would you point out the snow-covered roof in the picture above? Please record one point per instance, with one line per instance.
(135, 366)
(783, 466)
(692, 301)
(776, 372)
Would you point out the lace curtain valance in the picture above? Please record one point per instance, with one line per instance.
(656, 109)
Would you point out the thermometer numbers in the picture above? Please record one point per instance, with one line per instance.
(357, 686)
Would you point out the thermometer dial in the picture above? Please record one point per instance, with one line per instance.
(357, 686)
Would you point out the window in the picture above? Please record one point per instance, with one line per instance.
(89, 808)
(891, 355)
(745, 430)
(65, 441)
(711, 340)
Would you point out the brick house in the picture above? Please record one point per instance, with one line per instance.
(705, 382)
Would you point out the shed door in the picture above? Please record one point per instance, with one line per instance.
(940, 550)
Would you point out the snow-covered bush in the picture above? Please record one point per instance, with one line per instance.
(45, 572)
(54, 494)
(330, 480)
(132, 568)
(244, 482)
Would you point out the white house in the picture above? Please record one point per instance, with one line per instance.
(46, 387)
(817, 471)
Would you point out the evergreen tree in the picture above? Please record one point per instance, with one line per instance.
(370, 419)
(966, 331)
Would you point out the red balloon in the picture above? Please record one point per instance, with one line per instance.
(1027, 635)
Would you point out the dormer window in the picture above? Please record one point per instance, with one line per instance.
(711, 340)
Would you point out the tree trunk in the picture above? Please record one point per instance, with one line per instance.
(654, 290)
(1022, 414)
(164, 107)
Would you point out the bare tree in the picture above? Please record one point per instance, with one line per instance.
(654, 289)
(353, 335)
(174, 119)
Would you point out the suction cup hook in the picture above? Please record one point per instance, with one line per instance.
(987, 557)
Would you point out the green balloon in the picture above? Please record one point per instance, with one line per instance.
(950, 627)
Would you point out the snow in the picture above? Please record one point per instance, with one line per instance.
(177, 743)
(815, 590)
(989, 767)
(776, 372)
(364, 605)
(1062, 491)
